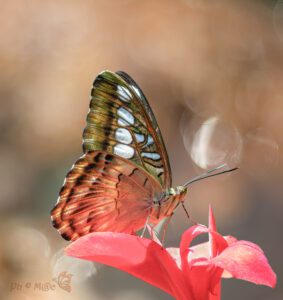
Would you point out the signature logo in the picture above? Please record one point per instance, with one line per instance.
(64, 281)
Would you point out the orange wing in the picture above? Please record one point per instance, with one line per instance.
(103, 192)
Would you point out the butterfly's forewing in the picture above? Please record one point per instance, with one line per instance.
(124, 168)
(103, 192)
(121, 122)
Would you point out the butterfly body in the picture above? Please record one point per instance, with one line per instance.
(166, 203)
(123, 178)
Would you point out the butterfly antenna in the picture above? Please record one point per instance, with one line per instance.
(208, 174)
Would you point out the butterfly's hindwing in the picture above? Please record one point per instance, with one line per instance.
(103, 192)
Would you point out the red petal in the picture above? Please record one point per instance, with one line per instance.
(140, 257)
(212, 227)
(188, 236)
(230, 239)
(206, 281)
(245, 260)
(202, 250)
(193, 232)
(211, 220)
(204, 277)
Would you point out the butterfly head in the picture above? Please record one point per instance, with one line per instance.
(179, 191)
(175, 195)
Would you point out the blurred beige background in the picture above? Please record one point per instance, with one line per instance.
(212, 71)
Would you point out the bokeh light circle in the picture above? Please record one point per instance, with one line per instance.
(213, 142)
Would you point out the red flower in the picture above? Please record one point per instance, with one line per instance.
(187, 273)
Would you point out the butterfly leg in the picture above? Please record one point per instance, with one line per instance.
(188, 215)
(145, 225)
(159, 209)
(153, 233)
(186, 211)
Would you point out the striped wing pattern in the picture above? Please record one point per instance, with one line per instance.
(124, 167)
(103, 192)
(120, 122)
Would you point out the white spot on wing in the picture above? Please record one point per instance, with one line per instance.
(122, 122)
(88, 140)
(124, 151)
(149, 142)
(151, 155)
(126, 115)
(139, 137)
(136, 91)
(123, 135)
(124, 93)
(159, 170)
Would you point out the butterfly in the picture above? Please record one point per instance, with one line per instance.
(123, 179)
